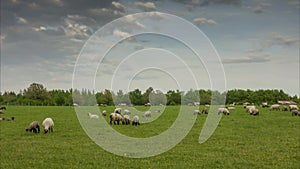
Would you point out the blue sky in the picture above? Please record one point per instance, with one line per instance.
(257, 42)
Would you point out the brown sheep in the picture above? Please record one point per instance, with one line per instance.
(295, 113)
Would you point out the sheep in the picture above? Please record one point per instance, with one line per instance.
(246, 104)
(93, 116)
(264, 104)
(3, 108)
(231, 108)
(34, 127)
(147, 114)
(135, 121)
(115, 117)
(255, 112)
(126, 119)
(285, 108)
(2, 118)
(48, 125)
(118, 110)
(275, 107)
(293, 107)
(11, 119)
(295, 112)
(205, 111)
(1, 112)
(250, 108)
(196, 112)
(104, 113)
(157, 111)
(127, 112)
(225, 111)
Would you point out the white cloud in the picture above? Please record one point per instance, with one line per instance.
(146, 5)
(121, 34)
(204, 21)
(21, 20)
(248, 59)
(57, 2)
(118, 5)
(104, 12)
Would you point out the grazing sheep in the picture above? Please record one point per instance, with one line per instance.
(115, 117)
(104, 113)
(48, 125)
(295, 113)
(2, 118)
(93, 116)
(264, 104)
(205, 111)
(250, 108)
(126, 119)
(118, 110)
(11, 119)
(196, 112)
(34, 127)
(3, 108)
(127, 112)
(1, 112)
(285, 108)
(225, 111)
(231, 108)
(293, 107)
(135, 121)
(246, 104)
(275, 107)
(157, 111)
(147, 114)
(255, 112)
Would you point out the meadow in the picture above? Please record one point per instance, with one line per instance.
(270, 140)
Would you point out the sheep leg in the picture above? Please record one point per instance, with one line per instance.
(38, 127)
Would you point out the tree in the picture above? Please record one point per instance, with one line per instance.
(147, 94)
(136, 97)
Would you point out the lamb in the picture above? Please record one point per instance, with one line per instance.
(295, 113)
(264, 104)
(196, 112)
(34, 127)
(93, 116)
(293, 107)
(147, 114)
(115, 117)
(48, 125)
(135, 121)
(275, 107)
(127, 112)
(231, 108)
(205, 111)
(225, 111)
(104, 113)
(126, 119)
(2, 118)
(250, 108)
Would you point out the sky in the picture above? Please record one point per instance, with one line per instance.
(168, 44)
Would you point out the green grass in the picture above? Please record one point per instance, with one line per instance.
(271, 140)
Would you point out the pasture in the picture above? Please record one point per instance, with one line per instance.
(270, 140)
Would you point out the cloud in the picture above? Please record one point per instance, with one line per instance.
(204, 21)
(121, 34)
(130, 19)
(248, 59)
(210, 2)
(146, 5)
(278, 39)
(258, 9)
(118, 5)
(21, 20)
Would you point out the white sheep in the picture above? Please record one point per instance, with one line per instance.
(93, 116)
(34, 127)
(127, 112)
(126, 119)
(118, 110)
(147, 114)
(115, 117)
(295, 112)
(135, 121)
(250, 108)
(223, 110)
(275, 107)
(293, 107)
(2, 118)
(264, 104)
(48, 125)
(104, 113)
(196, 112)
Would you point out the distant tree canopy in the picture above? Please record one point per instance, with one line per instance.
(37, 94)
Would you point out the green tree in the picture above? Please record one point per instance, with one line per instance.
(136, 97)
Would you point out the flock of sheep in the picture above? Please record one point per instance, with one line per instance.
(35, 126)
(253, 110)
(117, 117)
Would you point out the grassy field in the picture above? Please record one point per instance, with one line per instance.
(271, 140)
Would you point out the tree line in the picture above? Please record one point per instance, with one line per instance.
(37, 94)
